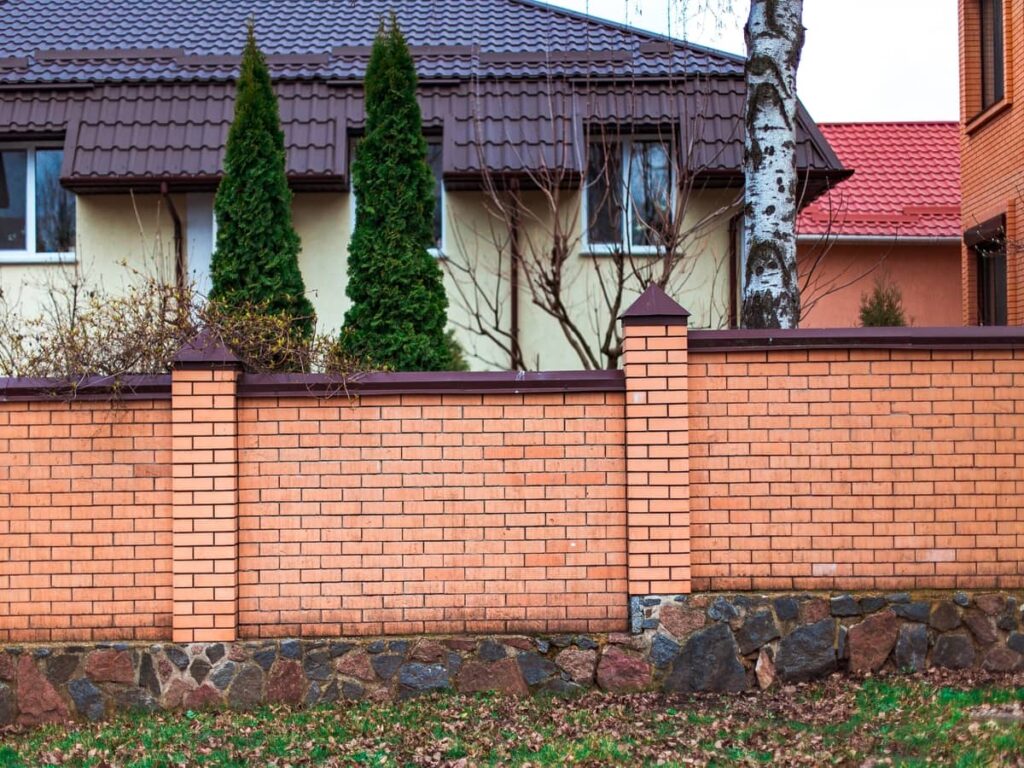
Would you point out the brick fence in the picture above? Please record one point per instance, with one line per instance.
(215, 504)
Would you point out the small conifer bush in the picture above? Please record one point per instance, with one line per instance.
(883, 307)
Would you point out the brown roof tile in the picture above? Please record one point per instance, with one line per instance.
(511, 83)
(141, 133)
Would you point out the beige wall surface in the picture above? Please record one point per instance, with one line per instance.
(117, 236)
(476, 242)
(137, 231)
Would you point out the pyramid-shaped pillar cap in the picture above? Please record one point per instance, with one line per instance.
(654, 307)
(206, 350)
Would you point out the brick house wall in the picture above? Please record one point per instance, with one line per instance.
(992, 153)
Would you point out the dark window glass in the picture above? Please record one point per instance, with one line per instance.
(649, 192)
(13, 188)
(604, 185)
(55, 206)
(991, 52)
(991, 258)
(436, 165)
(629, 193)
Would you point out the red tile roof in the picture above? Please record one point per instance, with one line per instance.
(905, 183)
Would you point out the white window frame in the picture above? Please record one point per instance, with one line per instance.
(197, 223)
(29, 255)
(624, 246)
(437, 253)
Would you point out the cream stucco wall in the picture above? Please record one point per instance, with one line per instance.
(112, 231)
(138, 231)
(324, 223)
(472, 238)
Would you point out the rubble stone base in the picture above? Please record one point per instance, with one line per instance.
(686, 643)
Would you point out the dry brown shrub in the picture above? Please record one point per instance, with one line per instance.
(82, 331)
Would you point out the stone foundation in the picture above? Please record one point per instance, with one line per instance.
(714, 642)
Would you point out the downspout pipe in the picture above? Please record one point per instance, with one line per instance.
(516, 361)
(734, 268)
(180, 268)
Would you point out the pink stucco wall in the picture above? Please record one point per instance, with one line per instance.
(928, 276)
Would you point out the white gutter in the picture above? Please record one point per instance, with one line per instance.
(877, 240)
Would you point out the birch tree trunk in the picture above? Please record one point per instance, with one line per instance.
(775, 37)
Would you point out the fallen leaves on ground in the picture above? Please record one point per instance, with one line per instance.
(937, 719)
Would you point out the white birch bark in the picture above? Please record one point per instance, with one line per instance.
(775, 37)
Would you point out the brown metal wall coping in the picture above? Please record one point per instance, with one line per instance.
(970, 338)
(461, 383)
(131, 387)
(158, 387)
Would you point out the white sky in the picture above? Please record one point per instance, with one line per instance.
(868, 60)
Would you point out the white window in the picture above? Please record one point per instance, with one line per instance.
(434, 160)
(200, 239)
(629, 195)
(37, 215)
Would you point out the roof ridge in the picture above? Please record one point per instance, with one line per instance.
(680, 43)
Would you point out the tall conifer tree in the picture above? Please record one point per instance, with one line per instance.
(256, 261)
(399, 307)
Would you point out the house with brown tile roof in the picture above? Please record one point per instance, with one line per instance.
(897, 218)
(113, 118)
(992, 161)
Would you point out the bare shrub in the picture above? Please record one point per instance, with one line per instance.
(83, 331)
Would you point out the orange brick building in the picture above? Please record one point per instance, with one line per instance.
(992, 160)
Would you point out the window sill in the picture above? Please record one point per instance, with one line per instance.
(612, 250)
(26, 258)
(987, 116)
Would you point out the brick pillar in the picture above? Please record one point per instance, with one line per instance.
(205, 465)
(657, 445)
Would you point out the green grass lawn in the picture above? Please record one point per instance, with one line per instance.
(886, 721)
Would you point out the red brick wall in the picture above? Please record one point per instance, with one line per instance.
(85, 527)
(440, 513)
(856, 469)
(992, 153)
(236, 513)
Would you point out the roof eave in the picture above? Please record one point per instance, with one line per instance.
(895, 239)
(190, 183)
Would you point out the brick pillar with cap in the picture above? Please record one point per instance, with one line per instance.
(657, 445)
(204, 384)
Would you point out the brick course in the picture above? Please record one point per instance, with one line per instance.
(857, 469)
(85, 526)
(447, 513)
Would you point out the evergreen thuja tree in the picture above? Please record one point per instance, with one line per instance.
(399, 308)
(256, 261)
